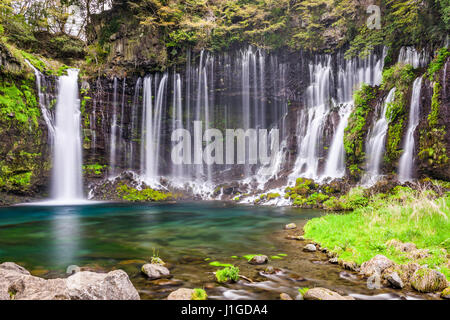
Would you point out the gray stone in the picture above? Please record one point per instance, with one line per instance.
(181, 294)
(324, 294)
(395, 280)
(17, 283)
(376, 265)
(258, 260)
(290, 226)
(114, 285)
(333, 260)
(297, 238)
(310, 248)
(155, 271)
(428, 280)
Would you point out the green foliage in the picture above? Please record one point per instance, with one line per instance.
(303, 291)
(401, 77)
(438, 62)
(18, 104)
(199, 294)
(404, 22)
(433, 148)
(94, 169)
(271, 196)
(131, 194)
(355, 131)
(37, 63)
(227, 274)
(404, 214)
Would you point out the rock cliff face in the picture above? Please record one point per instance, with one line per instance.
(24, 148)
(242, 88)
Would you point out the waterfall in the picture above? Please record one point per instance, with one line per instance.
(43, 103)
(376, 143)
(121, 126)
(151, 128)
(113, 137)
(410, 55)
(317, 102)
(134, 120)
(177, 119)
(67, 160)
(332, 83)
(407, 159)
(335, 164)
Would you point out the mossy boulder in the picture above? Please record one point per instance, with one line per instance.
(445, 294)
(428, 280)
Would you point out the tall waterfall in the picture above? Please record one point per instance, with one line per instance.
(113, 137)
(376, 143)
(317, 102)
(67, 161)
(151, 127)
(335, 164)
(407, 159)
(330, 89)
(177, 118)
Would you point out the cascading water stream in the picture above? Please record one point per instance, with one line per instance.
(410, 55)
(42, 103)
(177, 119)
(113, 137)
(335, 164)
(67, 160)
(317, 99)
(151, 129)
(376, 143)
(406, 163)
(329, 90)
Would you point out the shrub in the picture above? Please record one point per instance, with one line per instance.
(199, 294)
(227, 274)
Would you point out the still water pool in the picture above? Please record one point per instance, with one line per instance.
(188, 236)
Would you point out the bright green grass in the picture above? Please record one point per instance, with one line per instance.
(220, 264)
(362, 234)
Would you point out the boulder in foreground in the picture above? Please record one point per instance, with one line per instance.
(324, 294)
(18, 284)
(428, 280)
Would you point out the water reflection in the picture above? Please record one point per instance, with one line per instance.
(66, 236)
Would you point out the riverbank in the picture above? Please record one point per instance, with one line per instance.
(409, 228)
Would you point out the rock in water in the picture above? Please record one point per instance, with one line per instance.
(155, 271)
(290, 226)
(310, 248)
(376, 265)
(256, 260)
(395, 280)
(428, 280)
(17, 283)
(324, 294)
(181, 294)
(333, 260)
(285, 297)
